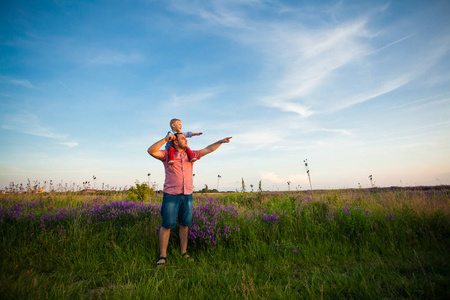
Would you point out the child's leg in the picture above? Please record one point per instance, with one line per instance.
(171, 152)
(190, 154)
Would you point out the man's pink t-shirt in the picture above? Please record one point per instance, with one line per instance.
(179, 179)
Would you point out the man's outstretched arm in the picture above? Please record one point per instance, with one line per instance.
(154, 151)
(214, 146)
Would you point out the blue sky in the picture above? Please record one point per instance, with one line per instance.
(357, 88)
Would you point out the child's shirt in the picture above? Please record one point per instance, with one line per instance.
(170, 143)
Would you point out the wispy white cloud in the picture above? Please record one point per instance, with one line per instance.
(215, 13)
(69, 144)
(304, 58)
(258, 140)
(29, 123)
(274, 178)
(439, 124)
(13, 81)
(110, 57)
(339, 131)
(283, 134)
(367, 95)
(288, 106)
(192, 99)
(422, 100)
(69, 89)
(313, 69)
(388, 45)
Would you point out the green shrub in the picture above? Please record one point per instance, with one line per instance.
(140, 193)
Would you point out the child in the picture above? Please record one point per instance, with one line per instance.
(175, 125)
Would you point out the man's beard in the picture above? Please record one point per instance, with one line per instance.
(181, 147)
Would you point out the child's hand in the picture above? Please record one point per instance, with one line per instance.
(169, 137)
(197, 133)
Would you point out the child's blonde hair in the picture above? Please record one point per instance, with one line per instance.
(173, 121)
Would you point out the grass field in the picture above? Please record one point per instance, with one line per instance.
(360, 244)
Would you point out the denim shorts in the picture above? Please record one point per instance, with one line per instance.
(174, 206)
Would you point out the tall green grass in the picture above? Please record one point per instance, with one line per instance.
(364, 244)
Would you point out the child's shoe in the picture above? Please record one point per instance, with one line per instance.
(170, 162)
(193, 160)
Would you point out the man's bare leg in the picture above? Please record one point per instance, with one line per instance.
(164, 234)
(184, 231)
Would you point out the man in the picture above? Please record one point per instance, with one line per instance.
(178, 188)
